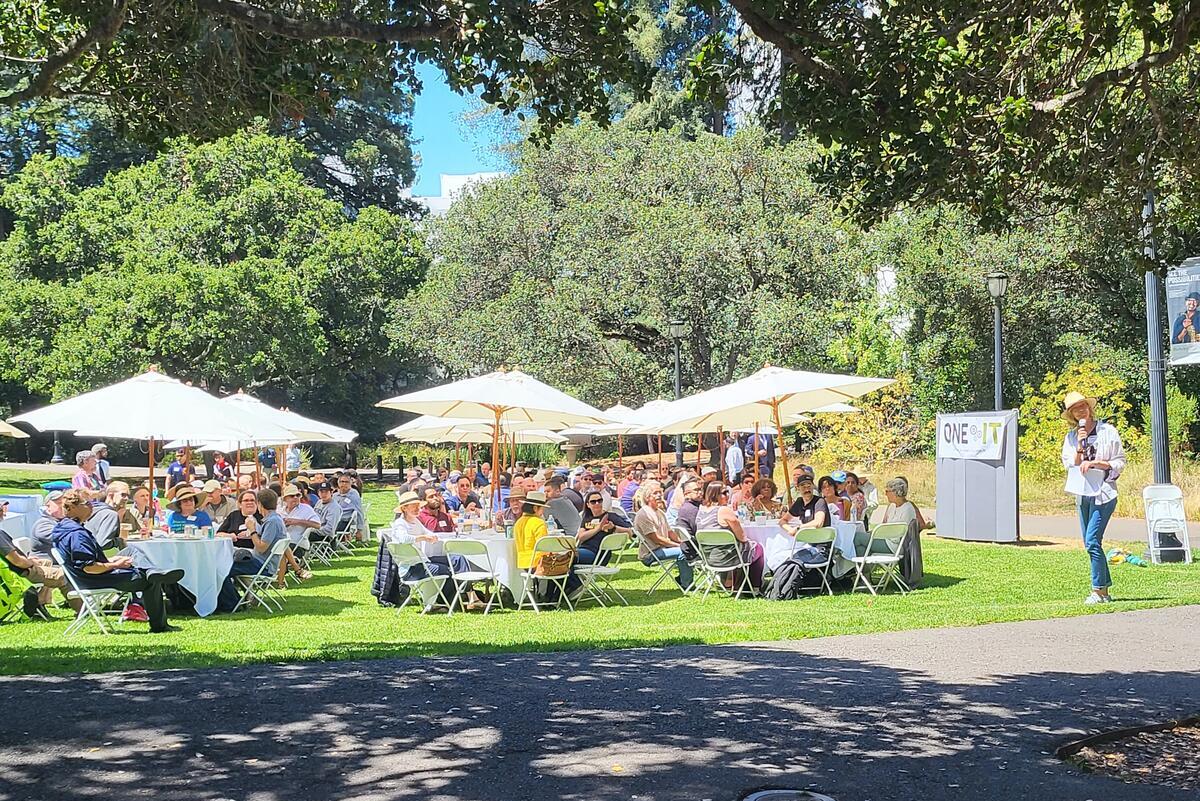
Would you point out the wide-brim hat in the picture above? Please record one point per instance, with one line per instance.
(407, 498)
(536, 498)
(183, 493)
(1072, 399)
(518, 494)
(289, 491)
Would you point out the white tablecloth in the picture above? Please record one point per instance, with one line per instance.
(501, 550)
(205, 564)
(777, 544)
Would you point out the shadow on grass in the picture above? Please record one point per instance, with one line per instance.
(673, 723)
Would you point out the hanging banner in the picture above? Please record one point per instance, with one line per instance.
(978, 435)
(1183, 311)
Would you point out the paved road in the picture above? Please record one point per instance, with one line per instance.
(928, 715)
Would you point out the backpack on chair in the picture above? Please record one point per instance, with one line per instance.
(788, 581)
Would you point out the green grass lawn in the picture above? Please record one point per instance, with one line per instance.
(334, 617)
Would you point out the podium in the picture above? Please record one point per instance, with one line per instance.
(978, 477)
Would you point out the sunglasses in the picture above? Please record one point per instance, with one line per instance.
(596, 500)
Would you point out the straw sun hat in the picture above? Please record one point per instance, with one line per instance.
(1074, 398)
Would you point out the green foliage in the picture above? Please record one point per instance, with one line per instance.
(1043, 427)
(1182, 413)
(572, 268)
(221, 263)
(887, 428)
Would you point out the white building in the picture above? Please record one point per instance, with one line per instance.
(453, 187)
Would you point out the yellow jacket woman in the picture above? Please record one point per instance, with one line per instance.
(529, 528)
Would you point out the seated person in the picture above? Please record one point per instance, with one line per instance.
(215, 504)
(458, 500)
(837, 505)
(560, 507)
(433, 514)
(352, 505)
(242, 520)
(656, 539)
(744, 492)
(184, 510)
(107, 517)
(531, 527)
(409, 528)
(512, 510)
(595, 526)
(262, 530)
(36, 571)
(762, 498)
(300, 519)
(141, 515)
(93, 570)
(48, 517)
(808, 510)
(900, 509)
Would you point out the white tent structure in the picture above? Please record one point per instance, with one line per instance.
(504, 398)
(152, 407)
(7, 430)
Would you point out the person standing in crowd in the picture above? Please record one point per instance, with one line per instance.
(102, 466)
(735, 458)
(759, 448)
(222, 470)
(85, 477)
(1092, 446)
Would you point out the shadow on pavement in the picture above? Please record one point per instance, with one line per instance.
(651, 724)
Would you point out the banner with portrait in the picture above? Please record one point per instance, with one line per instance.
(1183, 311)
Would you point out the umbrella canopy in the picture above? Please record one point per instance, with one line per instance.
(307, 429)
(225, 445)
(11, 431)
(458, 436)
(428, 424)
(152, 406)
(833, 408)
(621, 414)
(771, 395)
(505, 397)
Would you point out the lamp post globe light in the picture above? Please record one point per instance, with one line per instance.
(677, 329)
(997, 286)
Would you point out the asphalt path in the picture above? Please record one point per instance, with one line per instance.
(922, 715)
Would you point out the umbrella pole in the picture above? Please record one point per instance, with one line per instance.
(237, 464)
(660, 455)
(699, 445)
(787, 479)
(721, 440)
(282, 460)
(620, 453)
(494, 488)
(153, 486)
(756, 459)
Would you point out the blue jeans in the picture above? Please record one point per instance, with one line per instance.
(227, 599)
(1093, 519)
(681, 562)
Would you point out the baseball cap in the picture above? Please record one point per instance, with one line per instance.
(290, 490)
(212, 485)
(838, 475)
(455, 475)
(54, 495)
(323, 486)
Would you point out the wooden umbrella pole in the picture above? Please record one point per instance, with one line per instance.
(787, 478)
(721, 444)
(660, 454)
(494, 489)
(283, 471)
(153, 486)
(620, 453)
(237, 464)
(699, 445)
(756, 453)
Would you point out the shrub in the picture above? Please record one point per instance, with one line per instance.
(887, 428)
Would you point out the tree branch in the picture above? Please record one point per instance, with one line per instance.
(40, 85)
(767, 30)
(1181, 41)
(271, 23)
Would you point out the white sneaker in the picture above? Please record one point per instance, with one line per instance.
(1097, 598)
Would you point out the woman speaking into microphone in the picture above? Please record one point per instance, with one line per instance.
(1093, 449)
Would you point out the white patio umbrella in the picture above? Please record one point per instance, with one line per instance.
(7, 430)
(832, 408)
(503, 398)
(153, 407)
(308, 429)
(530, 436)
(771, 395)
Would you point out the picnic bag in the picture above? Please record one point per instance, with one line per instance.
(553, 564)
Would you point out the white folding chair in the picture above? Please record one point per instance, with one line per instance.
(24, 545)
(819, 536)
(544, 545)
(884, 551)
(91, 601)
(1165, 515)
(667, 567)
(476, 552)
(405, 555)
(260, 586)
(305, 546)
(344, 533)
(592, 575)
(706, 542)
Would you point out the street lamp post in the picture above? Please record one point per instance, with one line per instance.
(678, 330)
(57, 458)
(997, 285)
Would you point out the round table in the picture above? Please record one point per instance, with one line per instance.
(205, 564)
(502, 551)
(777, 544)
